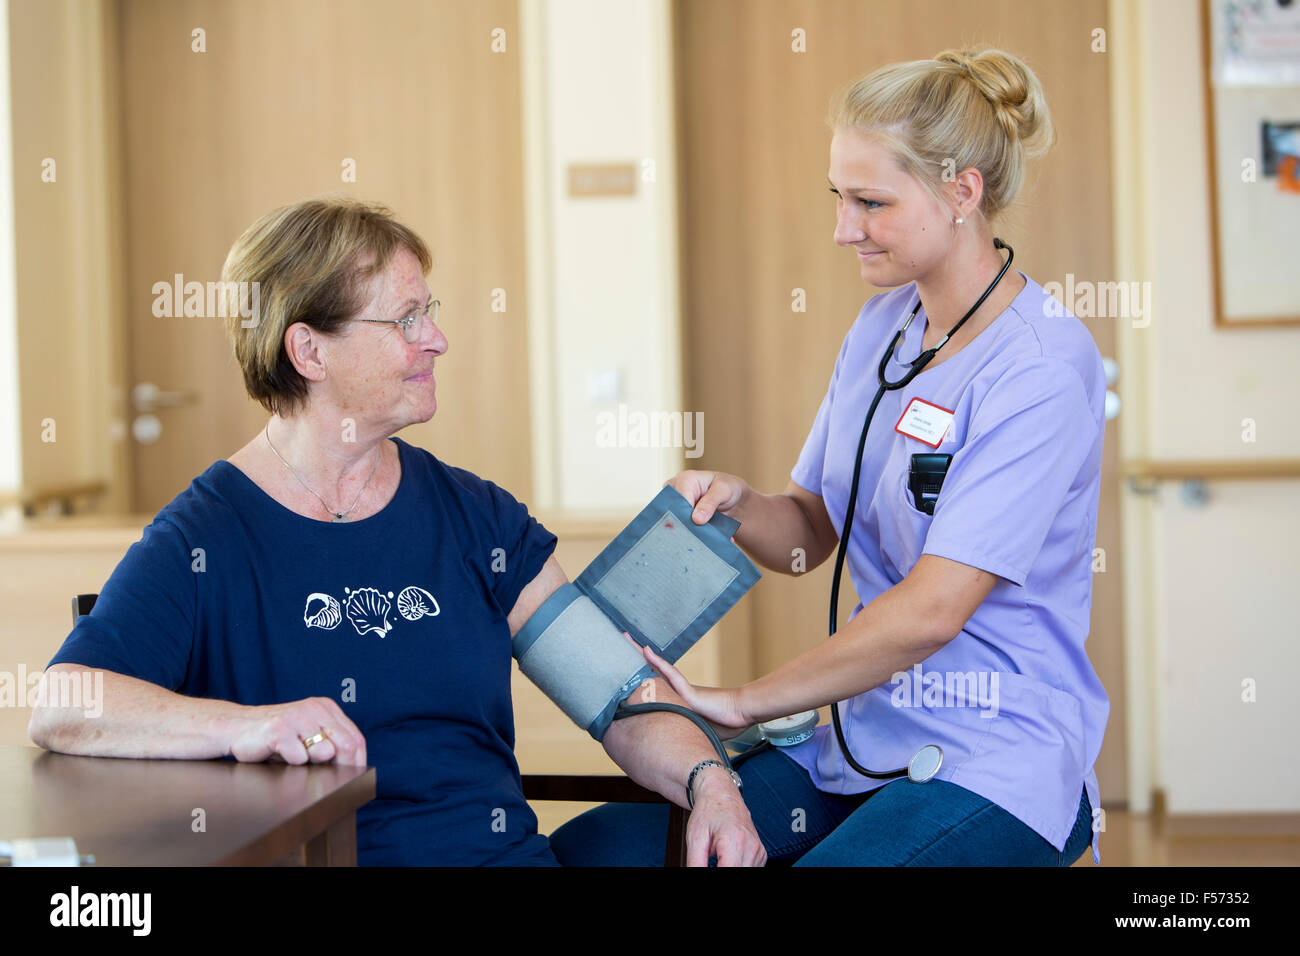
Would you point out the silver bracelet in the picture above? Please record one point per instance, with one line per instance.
(690, 780)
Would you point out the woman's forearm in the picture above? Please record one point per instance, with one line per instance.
(119, 716)
(778, 533)
(658, 750)
(898, 629)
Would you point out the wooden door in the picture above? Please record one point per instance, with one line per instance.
(756, 224)
(423, 98)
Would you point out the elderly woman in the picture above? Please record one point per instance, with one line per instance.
(331, 593)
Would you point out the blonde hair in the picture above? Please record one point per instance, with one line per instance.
(312, 261)
(964, 108)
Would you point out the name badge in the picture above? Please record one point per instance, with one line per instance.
(924, 421)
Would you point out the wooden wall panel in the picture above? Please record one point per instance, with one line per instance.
(68, 258)
(285, 92)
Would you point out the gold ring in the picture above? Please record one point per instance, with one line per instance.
(313, 740)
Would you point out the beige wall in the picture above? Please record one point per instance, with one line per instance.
(10, 427)
(40, 571)
(1208, 589)
(63, 74)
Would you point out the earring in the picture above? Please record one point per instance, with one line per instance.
(958, 221)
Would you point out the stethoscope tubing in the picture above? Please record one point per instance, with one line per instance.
(885, 385)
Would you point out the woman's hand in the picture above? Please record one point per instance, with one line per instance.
(719, 706)
(278, 732)
(709, 491)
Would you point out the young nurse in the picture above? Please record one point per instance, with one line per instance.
(970, 632)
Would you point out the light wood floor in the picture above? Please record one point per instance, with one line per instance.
(1133, 839)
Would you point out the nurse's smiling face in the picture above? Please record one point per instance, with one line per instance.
(899, 231)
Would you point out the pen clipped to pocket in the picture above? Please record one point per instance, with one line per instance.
(926, 478)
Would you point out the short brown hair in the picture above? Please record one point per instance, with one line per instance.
(311, 261)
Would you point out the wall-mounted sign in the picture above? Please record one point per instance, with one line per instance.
(602, 179)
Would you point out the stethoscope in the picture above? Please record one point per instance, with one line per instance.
(925, 764)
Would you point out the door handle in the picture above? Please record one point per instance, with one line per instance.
(147, 397)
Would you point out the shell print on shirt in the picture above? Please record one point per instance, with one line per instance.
(368, 609)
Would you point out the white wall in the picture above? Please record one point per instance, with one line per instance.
(603, 289)
(1209, 590)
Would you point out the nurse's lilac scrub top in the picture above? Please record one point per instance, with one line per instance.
(1013, 700)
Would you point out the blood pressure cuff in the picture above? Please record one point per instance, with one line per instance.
(665, 580)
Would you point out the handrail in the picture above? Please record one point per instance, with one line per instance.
(1231, 470)
(32, 500)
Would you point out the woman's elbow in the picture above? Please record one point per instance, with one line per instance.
(42, 728)
(66, 697)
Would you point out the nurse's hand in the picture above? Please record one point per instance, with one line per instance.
(709, 491)
(719, 706)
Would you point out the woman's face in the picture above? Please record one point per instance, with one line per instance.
(899, 231)
(375, 375)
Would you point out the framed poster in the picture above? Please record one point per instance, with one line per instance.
(1252, 92)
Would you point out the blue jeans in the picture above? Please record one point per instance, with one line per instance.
(900, 824)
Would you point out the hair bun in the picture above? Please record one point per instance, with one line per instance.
(979, 109)
(1013, 91)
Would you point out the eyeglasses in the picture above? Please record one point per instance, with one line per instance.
(410, 325)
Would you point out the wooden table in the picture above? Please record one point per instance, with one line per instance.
(185, 812)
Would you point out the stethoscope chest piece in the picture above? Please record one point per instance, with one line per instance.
(925, 764)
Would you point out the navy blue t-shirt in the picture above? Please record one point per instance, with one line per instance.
(399, 617)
